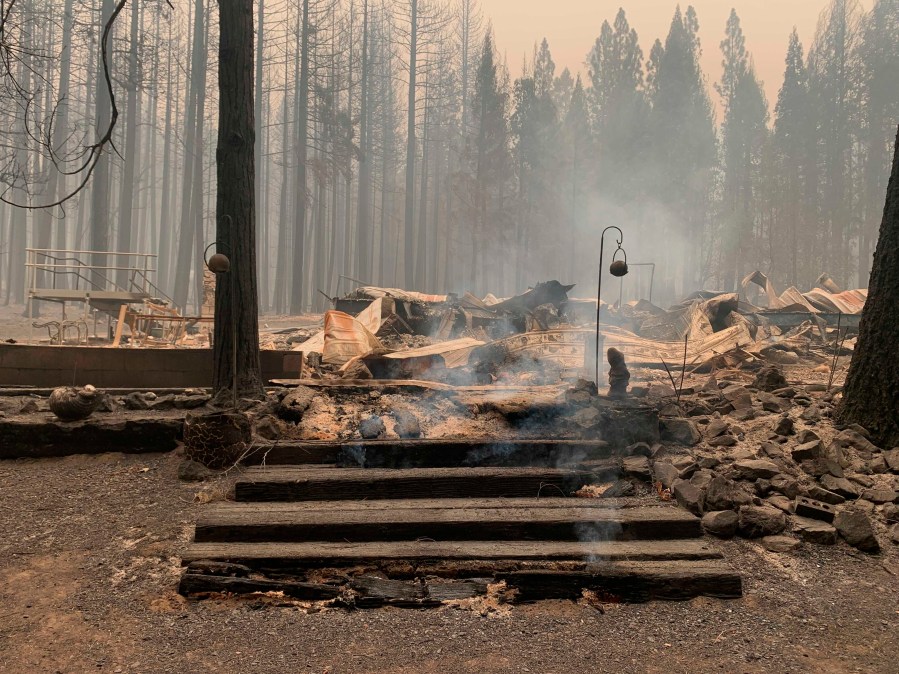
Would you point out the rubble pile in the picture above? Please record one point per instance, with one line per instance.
(764, 462)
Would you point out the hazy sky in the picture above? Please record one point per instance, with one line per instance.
(572, 26)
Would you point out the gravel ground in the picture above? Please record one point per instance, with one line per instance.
(89, 564)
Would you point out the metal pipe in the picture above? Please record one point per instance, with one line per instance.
(599, 288)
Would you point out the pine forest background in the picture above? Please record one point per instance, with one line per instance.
(395, 146)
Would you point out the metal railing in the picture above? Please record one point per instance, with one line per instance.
(50, 269)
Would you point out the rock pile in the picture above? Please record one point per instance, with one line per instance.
(766, 461)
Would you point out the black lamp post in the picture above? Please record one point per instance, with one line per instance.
(219, 263)
(617, 268)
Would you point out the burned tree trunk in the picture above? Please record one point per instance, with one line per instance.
(872, 386)
(236, 301)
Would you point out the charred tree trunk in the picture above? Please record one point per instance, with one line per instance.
(872, 386)
(409, 212)
(301, 187)
(236, 301)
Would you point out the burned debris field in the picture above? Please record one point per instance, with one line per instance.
(348, 336)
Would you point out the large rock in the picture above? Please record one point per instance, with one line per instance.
(773, 403)
(821, 494)
(807, 451)
(880, 495)
(780, 543)
(855, 528)
(841, 486)
(852, 438)
(720, 523)
(759, 521)
(723, 441)
(892, 458)
(681, 431)
(786, 485)
(738, 396)
(784, 426)
(637, 467)
(815, 531)
(193, 471)
(716, 427)
(665, 472)
(755, 469)
(295, 403)
(769, 378)
(688, 496)
(723, 494)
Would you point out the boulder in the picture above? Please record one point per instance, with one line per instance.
(754, 469)
(758, 521)
(820, 494)
(781, 503)
(841, 486)
(806, 435)
(723, 441)
(738, 396)
(890, 512)
(716, 427)
(780, 543)
(743, 415)
(892, 459)
(618, 489)
(807, 451)
(786, 485)
(815, 531)
(702, 478)
(720, 523)
(784, 426)
(688, 496)
(665, 473)
(769, 378)
(880, 495)
(852, 438)
(637, 466)
(772, 450)
(854, 526)
(773, 403)
(723, 494)
(680, 430)
(811, 414)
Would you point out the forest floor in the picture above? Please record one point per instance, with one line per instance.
(89, 565)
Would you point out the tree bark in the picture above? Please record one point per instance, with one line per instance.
(236, 301)
(871, 394)
(301, 188)
(409, 212)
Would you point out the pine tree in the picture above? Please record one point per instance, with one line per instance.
(685, 149)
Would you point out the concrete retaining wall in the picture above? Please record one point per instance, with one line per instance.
(27, 365)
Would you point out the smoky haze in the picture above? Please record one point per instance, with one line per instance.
(715, 140)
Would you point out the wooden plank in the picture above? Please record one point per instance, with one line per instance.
(195, 583)
(300, 484)
(630, 581)
(490, 553)
(428, 453)
(120, 325)
(282, 522)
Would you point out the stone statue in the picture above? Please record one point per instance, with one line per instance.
(619, 375)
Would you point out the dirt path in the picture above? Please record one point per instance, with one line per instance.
(89, 562)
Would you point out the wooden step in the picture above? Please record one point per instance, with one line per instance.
(446, 520)
(432, 453)
(630, 581)
(287, 483)
(480, 557)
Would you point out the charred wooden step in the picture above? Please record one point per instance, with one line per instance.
(442, 520)
(433, 453)
(282, 483)
(630, 581)
(448, 558)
